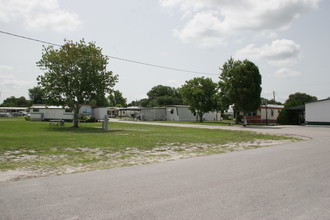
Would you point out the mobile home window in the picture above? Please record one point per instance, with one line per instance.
(35, 110)
(252, 114)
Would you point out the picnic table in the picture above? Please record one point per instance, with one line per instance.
(56, 122)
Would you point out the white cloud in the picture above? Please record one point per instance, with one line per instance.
(278, 53)
(4, 68)
(203, 28)
(10, 82)
(39, 14)
(285, 73)
(212, 22)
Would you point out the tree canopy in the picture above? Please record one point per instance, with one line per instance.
(36, 95)
(270, 101)
(16, 102)
(116, 99)
(240, 85)
(201, 95)
(299, 98)
(141, 102)
(75, 74)
(163, 95)
(159, 96)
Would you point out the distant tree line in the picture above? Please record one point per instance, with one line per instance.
(16, 102)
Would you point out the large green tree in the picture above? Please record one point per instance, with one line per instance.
(36, 95)
(163, 95)
(116, 99)
(201, 95)
(299, 98)
(240, 85)
(292, 115)
(75, 74)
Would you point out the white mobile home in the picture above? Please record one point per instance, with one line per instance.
(42, 112)
(318, 113)
(265, 114)
(175, 113)
(168, 113)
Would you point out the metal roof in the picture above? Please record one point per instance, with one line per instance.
(13, 108)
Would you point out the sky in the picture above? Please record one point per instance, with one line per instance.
(287, 39)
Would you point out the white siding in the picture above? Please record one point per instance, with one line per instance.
(172, 114)
(36, 116)
(185, 114)
(153, 114)
(211, 116)
(99, 113)
(318, 111)
(272, 113)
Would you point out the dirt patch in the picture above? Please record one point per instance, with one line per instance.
(38, 166)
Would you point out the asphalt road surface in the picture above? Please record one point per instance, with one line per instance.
(289, 181)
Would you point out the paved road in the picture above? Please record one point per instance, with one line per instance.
(289, 181)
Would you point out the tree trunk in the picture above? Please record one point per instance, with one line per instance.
(75, 118)
(201, 116)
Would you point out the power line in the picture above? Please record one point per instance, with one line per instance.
(29, 38)
(158, 66)
(113, 57)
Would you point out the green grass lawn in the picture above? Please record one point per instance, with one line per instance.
(35, 145)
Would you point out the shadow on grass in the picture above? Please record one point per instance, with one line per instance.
(96, 130)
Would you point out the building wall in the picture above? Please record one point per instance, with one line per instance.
(272, 112)
(212, 116)
(36, 116)
(172, 113)
(56, 114)
(51, 114)
(184, 114)
(99, 113)
(318, 112)
(153, 114)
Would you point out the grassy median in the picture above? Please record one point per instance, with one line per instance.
(27, 145)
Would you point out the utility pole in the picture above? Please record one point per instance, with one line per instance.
(266, 113)
(274, 96)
